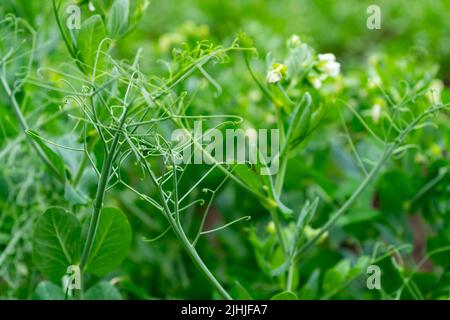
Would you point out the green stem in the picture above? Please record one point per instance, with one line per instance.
(187, 246)
(386, 155)
(80, 170)
(279, 181)
(190, 250)
(84, 160)
(279, 230)
(290, 277)
(101, 188)
(72, 49)
(214, 161)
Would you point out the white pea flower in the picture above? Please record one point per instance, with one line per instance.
(375, 112)
(328, 65)
(328, 57)
(316, 81)
(434, 94)
(91, 6)
(294, 41)
(277, 73)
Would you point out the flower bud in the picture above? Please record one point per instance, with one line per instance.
(277, 73)
(294, 41)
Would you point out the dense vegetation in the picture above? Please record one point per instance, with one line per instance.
(92, 192)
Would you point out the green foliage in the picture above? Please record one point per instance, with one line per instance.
(56, 242)
(89, 175)
(111, 242)
(57, 163)
(102, 291)
(287, 295)
(118, 19)
(89, 42)
(46, 290)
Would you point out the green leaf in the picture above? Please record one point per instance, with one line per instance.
(242, 293)
(286, 295)
(336, 276)
(358, 216)
(56, 242)
(49, 291)
(360, 267)
(54, 159)
(102, 5)
(103, 291)
(396, 188)
(251, 178)
(74, 196)
(311, 288)
(257, 182)
(111, 242)
(434, 244)
(117, 21)
(92, 32)
(301, 123)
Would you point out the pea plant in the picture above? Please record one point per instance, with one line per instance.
(99, 132)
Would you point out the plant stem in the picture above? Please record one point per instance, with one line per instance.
(279, 180)
(279, 230)
(84, 160)
(190, 250)
(290, 277)
(187, 246)
(386, 155)
(80, 170)
(103, 182)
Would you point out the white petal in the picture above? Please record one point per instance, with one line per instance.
(330, 68)
(294, 41)
(329, 57)
(273, 76)
(376, 112)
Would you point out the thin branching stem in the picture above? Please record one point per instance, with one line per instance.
(389, 150)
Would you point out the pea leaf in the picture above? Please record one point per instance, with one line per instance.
(102, 291)
(311, 288)
(101, 5)
(54, 159)
(49, 291)
(111, 242)
(117, 21)
(250, 178)
(396, 188)
(92, 32)
(336, 276)
(74, 196)
(257, 182)
(56, 242)
(286, 295)
(242, 293)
